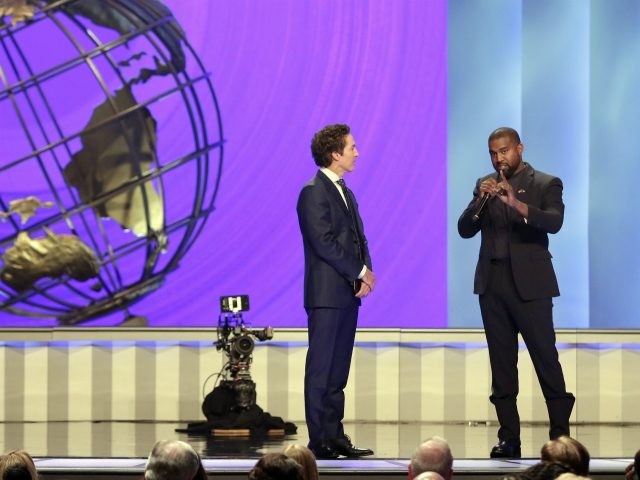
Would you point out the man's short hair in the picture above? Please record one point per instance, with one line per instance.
(276, 466)
(330, 139)
(568, 451)
(172, 460)
(432, 455)
(545, 471)
(505, 132)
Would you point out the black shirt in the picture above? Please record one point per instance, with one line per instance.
(500, 218)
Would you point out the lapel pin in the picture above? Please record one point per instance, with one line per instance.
(522, 190)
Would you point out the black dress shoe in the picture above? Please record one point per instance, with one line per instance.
(506, 449)
(344, 447)
(324, 452)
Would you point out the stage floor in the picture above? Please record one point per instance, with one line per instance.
(118, 450)
(392, 469)
(388, 440)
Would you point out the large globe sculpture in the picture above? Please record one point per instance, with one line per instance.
(98, 201)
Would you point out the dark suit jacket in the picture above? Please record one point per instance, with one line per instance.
(528, 241)
(331, 258)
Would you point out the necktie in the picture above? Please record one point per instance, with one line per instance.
(356, 231)
(345, 192)
(350, 206)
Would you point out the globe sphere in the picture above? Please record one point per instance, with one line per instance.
(99, 199)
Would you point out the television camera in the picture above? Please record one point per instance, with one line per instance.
(237, 341)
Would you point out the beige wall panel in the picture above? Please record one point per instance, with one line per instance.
(80, 449)
(260, 375)
(477, 381)
(587, 390)
(295, 412)
(433, 385)
(630, 386)
(167, 382)
(35, 384)
(81, 382)
(611, 387)
(387, 385)
(123, 394)
(410, 384)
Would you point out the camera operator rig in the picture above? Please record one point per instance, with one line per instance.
(237, 341)
(230, 408)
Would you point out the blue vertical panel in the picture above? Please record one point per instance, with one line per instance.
(555, 131)
(484, 92)
(614, 234)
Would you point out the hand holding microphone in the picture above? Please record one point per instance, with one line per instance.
(489, 189)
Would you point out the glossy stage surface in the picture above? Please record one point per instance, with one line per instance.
(119, 449)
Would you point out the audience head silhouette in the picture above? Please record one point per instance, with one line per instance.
(545, 471)
(305, 458)
(17, 465)
(174, 460)
(432, 455)
(429, 476)
(568, 451)
(276, 466)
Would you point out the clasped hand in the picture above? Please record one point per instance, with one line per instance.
(368, 284)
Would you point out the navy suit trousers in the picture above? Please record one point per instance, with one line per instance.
(331, 336)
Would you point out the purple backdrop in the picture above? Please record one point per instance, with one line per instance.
(282, 70)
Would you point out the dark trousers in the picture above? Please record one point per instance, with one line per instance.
(504, 314)
(331, 336)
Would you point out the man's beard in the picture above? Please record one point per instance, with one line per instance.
(507, 169)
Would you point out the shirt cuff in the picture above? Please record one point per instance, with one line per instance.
(362, 272)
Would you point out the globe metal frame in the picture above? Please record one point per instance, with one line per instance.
(65, 299)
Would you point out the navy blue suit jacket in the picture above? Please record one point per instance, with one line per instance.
(531, 265)
(331, 259)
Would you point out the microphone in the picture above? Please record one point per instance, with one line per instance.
(480, 210)
(485, 199)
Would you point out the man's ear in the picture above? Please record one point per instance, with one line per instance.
(335, 156)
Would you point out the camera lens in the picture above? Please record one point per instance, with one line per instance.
(243, 345)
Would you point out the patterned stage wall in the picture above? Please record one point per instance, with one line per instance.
(408, 376)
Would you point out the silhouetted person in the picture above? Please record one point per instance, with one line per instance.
(337, 275)
(516, 282)
(17, 465)
(569, 451)
(432, 455)
(276, 466)
(305, 458)
(174, 460)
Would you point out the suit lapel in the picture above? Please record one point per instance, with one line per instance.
(333, 191)
(526, 186)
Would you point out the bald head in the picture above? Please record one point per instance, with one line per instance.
(432, 455)
(429, 476)
(172, 460)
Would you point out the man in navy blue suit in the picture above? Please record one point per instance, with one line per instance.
(337, 274)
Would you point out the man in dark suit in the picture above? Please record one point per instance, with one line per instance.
(337, 274)
(516, 282)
